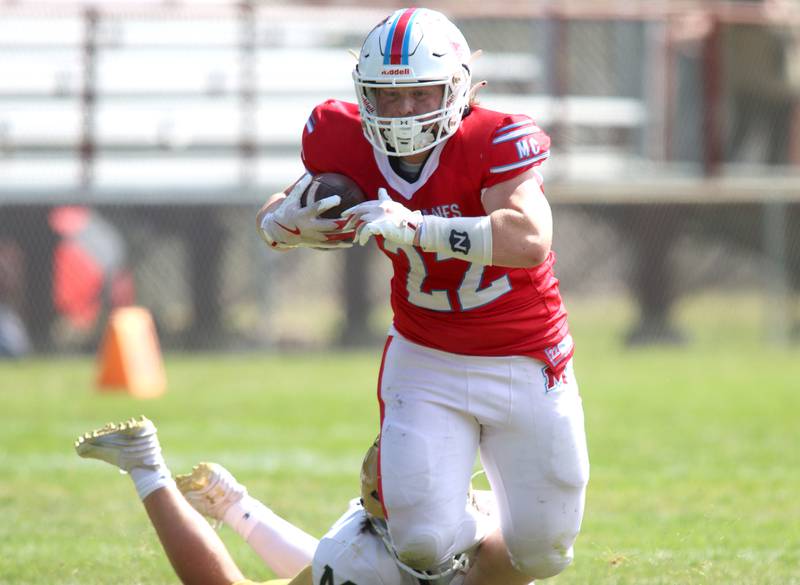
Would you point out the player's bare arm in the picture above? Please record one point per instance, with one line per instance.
(522, 223)
(516, 232)
(272, 202)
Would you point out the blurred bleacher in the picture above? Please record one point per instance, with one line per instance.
(175, 120)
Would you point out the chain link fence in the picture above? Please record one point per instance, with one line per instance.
(138, 141)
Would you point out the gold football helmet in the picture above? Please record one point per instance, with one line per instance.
(370, 498)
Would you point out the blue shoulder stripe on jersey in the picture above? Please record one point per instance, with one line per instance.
(387, 51)
(310, 123)
(519, 164)
(516, 134)
(510, 126)
(407, 37)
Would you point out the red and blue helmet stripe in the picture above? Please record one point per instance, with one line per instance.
(399, 38)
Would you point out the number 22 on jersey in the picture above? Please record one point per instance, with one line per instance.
(468, 291)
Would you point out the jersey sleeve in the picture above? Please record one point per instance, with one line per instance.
(319, 144)
(516, 145)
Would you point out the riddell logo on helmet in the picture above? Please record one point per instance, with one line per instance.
(399, 71)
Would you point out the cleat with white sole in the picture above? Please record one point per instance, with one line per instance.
(210, 489)
(127, 444)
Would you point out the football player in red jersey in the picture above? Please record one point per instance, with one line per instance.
(479, 355)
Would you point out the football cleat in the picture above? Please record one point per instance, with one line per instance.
(128, 444)
(210, 489)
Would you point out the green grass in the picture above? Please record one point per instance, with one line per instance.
(695, 453)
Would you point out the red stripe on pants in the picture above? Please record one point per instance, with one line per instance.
(382, 407)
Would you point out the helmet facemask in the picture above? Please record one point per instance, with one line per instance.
(403, 136)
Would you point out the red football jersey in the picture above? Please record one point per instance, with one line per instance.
(439, 301)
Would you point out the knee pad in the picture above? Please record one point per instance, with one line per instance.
(406, 463)
(421, 549)
(542, 564)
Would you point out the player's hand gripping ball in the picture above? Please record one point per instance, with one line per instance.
(326, 185)
(309, 216)
(387, 218)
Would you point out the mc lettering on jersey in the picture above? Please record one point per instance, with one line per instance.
(526, 147)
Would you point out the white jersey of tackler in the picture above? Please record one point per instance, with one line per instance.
(357, 550)
(352, 553)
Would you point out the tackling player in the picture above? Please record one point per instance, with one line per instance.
(353, 552)
(479, 356)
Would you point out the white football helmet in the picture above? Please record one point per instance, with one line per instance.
(413, 47)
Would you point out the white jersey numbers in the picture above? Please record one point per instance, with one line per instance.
(435, 300)
(470, 294)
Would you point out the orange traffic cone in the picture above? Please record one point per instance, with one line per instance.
(130, 356)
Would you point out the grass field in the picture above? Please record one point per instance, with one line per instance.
(695, 454)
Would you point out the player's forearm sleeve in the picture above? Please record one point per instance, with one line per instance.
(466, 238)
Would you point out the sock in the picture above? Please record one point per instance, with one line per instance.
(148, 480)
(153, 473)
(284, 547)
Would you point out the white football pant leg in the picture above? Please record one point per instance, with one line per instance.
(538, 466)
(427, 451)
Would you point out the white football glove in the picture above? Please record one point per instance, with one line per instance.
(387, 218)
(465, 238)
(291, 226)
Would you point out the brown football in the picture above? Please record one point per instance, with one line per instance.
(326, 184)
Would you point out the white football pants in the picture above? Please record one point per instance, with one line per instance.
(437, 411)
